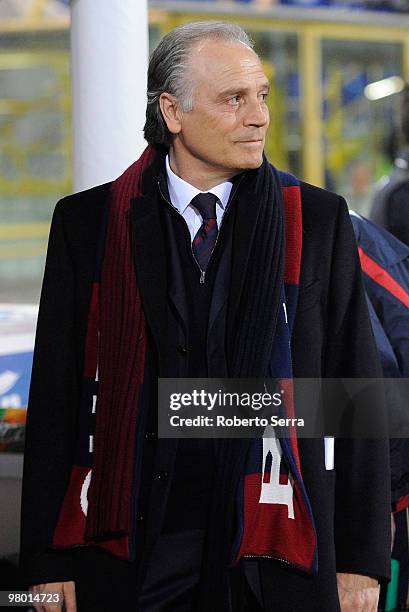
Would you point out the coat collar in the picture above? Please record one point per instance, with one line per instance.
(148, 248)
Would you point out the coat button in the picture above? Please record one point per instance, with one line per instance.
(140, 518)
(163, 475)
(182, 349)
(150, 435)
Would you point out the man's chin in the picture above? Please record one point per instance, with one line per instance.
(252, 162)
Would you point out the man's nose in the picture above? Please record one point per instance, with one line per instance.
(256, 113)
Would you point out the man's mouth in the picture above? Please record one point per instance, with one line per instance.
(254, 141)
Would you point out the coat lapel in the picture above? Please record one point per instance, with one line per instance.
(148, 250)
(176, 282)
(247, 211)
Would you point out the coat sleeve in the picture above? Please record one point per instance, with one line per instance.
(51, 415)
(362, 503)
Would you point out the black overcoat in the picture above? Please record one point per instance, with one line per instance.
(332, 338)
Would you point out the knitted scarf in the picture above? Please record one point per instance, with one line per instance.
(258, 484)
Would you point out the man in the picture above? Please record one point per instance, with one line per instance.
(180, 269)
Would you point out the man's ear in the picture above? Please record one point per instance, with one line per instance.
(171, 112)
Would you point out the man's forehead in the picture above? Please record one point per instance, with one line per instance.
(222, 60)
(218, 43)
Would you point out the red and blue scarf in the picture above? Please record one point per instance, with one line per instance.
(272, 507)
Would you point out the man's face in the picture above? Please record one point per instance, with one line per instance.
(225, 131)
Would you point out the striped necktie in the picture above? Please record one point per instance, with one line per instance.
(205, 239)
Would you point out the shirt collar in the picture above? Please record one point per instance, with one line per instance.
(182, 193)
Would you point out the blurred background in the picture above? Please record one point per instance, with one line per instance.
(336, 67)
(327, 125)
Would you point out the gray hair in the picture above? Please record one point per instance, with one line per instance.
(168, 66)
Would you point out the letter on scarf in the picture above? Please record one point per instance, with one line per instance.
(273, 492)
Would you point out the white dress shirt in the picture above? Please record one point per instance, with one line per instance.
(182, 193)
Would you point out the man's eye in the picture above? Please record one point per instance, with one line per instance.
(264, 96)
(234, 100)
